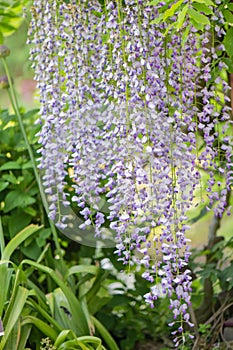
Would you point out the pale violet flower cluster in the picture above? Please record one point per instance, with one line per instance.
(120, 132)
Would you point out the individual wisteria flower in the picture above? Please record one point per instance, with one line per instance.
(131, 117)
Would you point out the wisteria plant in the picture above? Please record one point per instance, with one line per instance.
(135, 110)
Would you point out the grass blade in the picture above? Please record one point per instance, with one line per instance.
(41, 325)
(16, 306)
(83, 269)
(18, 239)
(5, 277)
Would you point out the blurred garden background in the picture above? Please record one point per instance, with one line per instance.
(58, 294)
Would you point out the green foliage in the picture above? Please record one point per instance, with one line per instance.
(10, 17)
(196, 11)
(13, 295)
(24, 307)
(18, 189)
(216, 269)
(228, 42)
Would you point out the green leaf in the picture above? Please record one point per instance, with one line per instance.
(197, 25)
(156, 2)
(16, 305)
(62, 337)
(30, 211)
(181, 17)
(206, 2)
(10, 166)
(105, 335)
(60, 309)
(4, 4)
(18, 222)
(6, 28)
(153, 2)
(27, 165)
(41, 325)
(171, 11)
(83, 269)
(229, 63)
(228, 16)
(24, 336)
(96, 305)
(228, 42)
(185, 34)
(3, 185)
(10, 178)
(230, 7)
(157, 20)
(13, 340)
(97, 14)
(31, 250)
(17, 198)
(202, 8)
(5, 278)
(42, 309)
(18, 239)
(43, 235)
(82, 343)
(10, 14)
(198, 17)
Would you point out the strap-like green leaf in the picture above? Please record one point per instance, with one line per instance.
(18, 239)
(41, 325)
(83, 269)
(16, 306)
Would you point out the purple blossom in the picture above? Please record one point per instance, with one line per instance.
(121, 117)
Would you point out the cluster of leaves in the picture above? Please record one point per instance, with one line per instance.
(18, 189)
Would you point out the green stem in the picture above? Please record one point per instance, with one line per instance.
(14, 102)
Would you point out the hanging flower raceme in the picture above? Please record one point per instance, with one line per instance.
(121, 119)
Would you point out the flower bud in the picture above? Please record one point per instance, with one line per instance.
(4, 51)
(4, 83)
